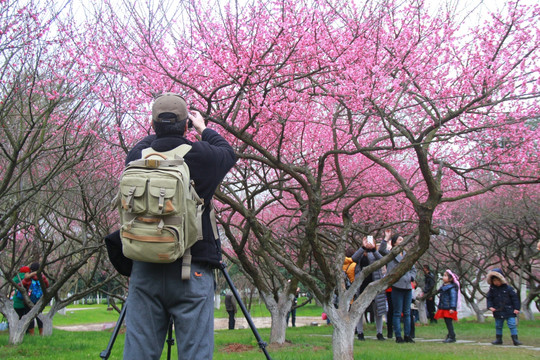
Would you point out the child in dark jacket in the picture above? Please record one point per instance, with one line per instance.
(448, 303)
(503, 301)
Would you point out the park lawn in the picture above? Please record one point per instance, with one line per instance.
(258, 309)
(98, 313)
(92, 314)
(302, 343)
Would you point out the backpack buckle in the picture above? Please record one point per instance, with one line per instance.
(151, 163)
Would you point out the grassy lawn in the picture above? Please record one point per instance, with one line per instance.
(100, 314)
(92, 314)
(302, 342)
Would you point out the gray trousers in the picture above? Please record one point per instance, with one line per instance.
(378, 324)
(157, 293)
(378, 319)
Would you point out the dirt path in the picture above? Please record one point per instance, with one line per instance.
(219, 324)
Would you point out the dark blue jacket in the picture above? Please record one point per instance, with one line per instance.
(504, 299)
(448, 297)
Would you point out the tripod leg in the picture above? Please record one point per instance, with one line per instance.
(107, 352)
(170, 340)
(261, 343)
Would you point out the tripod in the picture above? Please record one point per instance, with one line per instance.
(107, 352)
(170, 341)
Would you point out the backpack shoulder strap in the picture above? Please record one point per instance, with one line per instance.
(182, 150)
(186, 264)
(154, 159)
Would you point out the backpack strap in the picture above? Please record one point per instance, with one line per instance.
(186, 259)
(174, 157)
(181, 150)
(186, 265)
(155, 163)
(213, 220)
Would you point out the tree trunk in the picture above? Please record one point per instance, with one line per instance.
(17, 328)
(47, 323)
(278, 312)
(278, 328)
(479, 312)
(526, 308)
(422, 314)
(343, 334)
(217, 300)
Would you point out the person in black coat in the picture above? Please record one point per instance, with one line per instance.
(157, 291)
(503, 301)
(429, 286)
(230, 306)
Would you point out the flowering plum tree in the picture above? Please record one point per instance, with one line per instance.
(55, 182)
(495, 230)
(343, 113)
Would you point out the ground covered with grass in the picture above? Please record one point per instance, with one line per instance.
(310, 342)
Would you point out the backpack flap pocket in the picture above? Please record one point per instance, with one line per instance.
(144, 243)
(163, 195)
(132, 197)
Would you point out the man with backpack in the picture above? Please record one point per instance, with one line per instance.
(157, 291)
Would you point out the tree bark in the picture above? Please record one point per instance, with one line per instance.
(422, 314)
(479, 313)
(526, 308)
(278, 312)
(17, 327)
(47, 323)
(343, 334)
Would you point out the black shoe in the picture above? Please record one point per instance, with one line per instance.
(498, 340)
(361, 337)
(450, 340)
(516, 341)
(380, 337)
(399, 340)
(408, 339)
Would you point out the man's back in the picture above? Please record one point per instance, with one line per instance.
(157, 292)
(209, 160)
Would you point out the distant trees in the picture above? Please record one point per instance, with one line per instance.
(496, 230)
(57, 177)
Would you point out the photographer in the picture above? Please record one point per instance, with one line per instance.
(157, 292)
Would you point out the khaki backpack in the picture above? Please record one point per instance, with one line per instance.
(160, 212)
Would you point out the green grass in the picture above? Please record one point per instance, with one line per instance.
(98, 313)
(260, 310)
(302, 343)
(94, 314)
